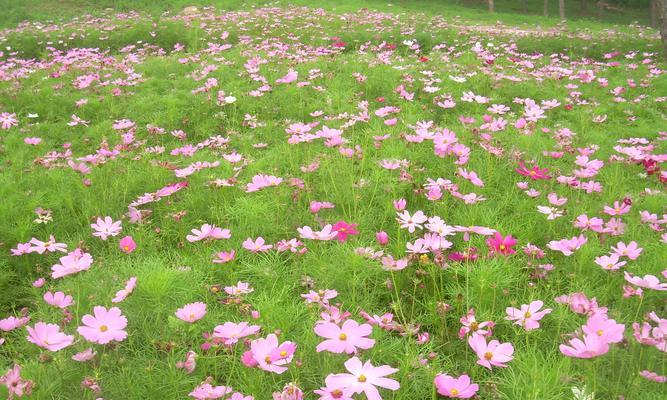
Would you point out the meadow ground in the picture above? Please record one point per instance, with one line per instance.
(445, 181)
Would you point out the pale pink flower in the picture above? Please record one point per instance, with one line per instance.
(347, 338)
(364, 378)
(210, 232)
(104, 326)
(647, 282)
(591, 346)
(85, 355)
(123, 293)
(48, 336)
(72, 263)
(106, 227)
(191, 312)
(491, 354)
(270, 355)
(224, 257)
(230, 332)
(528, 316)
(256, 246)
(631, 250)
(455, 388)
(58, 299)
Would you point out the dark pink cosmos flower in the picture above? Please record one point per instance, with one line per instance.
(534, 173)
(344, 230)
(501, 245)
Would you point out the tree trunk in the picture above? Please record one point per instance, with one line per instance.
(561, 9)
(583, 6)
(662, 17)
(600, 9)
(546, 8)
(653, 9)
(524, 6)
(491, 6)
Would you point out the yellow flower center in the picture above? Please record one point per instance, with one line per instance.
(192, 316)
(362, 378)
(502, 247)
(454, 392)
(600, 332)
(488, 355)
(104, 328)
(527, 314)
(342, 336)
(336, 393)
(532, 173)
(126, 248)
(474, 326)
(283, 353)
(267, 359)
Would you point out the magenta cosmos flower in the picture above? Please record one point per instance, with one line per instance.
(456, 388)
(127, 244)
(528, 316)
(501, 245)
(534, 173)
(48, 336)
(344, 230)
(348, 338)
(104, 326)
(191, 312)
(364, 378)
(490, 354)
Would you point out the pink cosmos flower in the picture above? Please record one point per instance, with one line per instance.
(364, 378)
(224, 257)
(256, 246)
(11, 323)
(50, 246)
(230, 332)
(72, 263)
(291, 76)
(85, 355)
(411, 222)
(123, 293)
(58, 299)
(580, 304)
(189, 364)
(595, 224)
(210, 232)
(191, 312)
(316, 206)
(106, 227)
(240, 289)
(321, 296)
(348, 338)
(104, 326)
(568, 246)
(528, 316)
(591, 346)
(501, 245)
(48, 336)
(382, 238)
(652, 376)
(34, 141)
(470, 325)
(647, 282)
(205, 391)
(16, 386)
(330, 392)
(631, 250)
(610, 262)
(290, 392)
(7, 120)
(399, 205)
(127, 244)
(327, 233)
(38, 283)
(270, 355)
(534, 173)
(455, 388)
(606, 329)
(491, 354)
(344, 230)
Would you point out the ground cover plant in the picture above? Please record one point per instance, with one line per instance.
(287, 202)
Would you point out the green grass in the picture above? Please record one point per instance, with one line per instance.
(172, 272)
